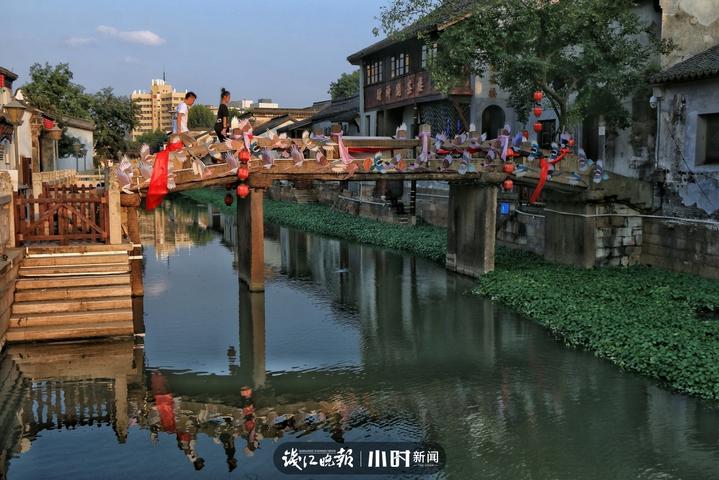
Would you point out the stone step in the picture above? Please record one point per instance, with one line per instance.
(20, 322)
(77, 249)
(73, 293)
(75, 259)
(60, 270)
(71, 281)
(69, 331)
(81, 305)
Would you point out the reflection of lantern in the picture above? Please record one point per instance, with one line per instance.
(508, 185)
(508, 168)
(229, 186)
(537, 111)
(228, 199)
(538, 127)
(243, 190)
(538, 96)
(243, 173)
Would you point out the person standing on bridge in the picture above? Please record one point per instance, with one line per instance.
(223, 116)
(181, 113)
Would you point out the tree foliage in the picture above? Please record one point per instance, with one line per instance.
(52, 90)
(154, 140)
(200, 116)
(587, 56)
(114, 119)
(347, 85)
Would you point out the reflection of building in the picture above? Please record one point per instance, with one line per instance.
(165, 230)
(154, 109)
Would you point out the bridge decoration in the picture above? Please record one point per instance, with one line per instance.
(475, 167)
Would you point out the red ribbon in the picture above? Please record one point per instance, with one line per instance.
(544, 172)
(158, 182)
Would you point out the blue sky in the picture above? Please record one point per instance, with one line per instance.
(287, 50)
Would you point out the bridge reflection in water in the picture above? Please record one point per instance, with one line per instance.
(347, 343)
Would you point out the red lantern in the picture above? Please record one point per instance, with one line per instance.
(228, 199)
(538, 127)
(243, 190)
(538, 96)
(508, 185)
(508, 168)
(571, 142)
(243, 173)
(537, 111)
(244, 156)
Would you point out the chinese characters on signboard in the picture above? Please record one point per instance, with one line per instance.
(358, 458)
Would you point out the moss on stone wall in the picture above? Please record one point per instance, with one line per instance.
(651, 321)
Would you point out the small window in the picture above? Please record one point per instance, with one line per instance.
(708, 139)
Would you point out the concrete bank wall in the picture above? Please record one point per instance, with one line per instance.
(682, 247)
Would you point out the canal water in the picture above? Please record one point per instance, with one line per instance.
(349, 343)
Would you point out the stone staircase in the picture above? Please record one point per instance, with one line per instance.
(72, 293)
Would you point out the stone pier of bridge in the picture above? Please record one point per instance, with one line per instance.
(471, 232)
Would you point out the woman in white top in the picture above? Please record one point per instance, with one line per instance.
(181, 113)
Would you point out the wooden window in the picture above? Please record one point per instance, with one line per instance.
(373, 72)
(708, 139)
(399, 65)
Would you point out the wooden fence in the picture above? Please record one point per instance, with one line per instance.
(63, 213)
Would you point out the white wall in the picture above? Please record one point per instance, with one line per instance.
(84, 163)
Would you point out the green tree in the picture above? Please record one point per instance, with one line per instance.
(587, 56)
(154, 140)
(200, 116)
(52, 90)
(114, 119)
(345, 86)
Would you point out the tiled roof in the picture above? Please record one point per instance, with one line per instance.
(701, 65)
(273, 123)
(341, 107)
(456, 9)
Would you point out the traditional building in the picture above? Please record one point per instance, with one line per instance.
(686, 96)
(342, 111)
(154, 109)
(395, 88)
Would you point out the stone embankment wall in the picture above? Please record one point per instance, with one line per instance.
(682, 247)
(592, 235)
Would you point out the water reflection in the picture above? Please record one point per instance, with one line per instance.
(348, 343)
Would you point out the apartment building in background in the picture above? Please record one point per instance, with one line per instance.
(154, 109)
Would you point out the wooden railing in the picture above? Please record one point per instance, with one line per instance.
(63, 213)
